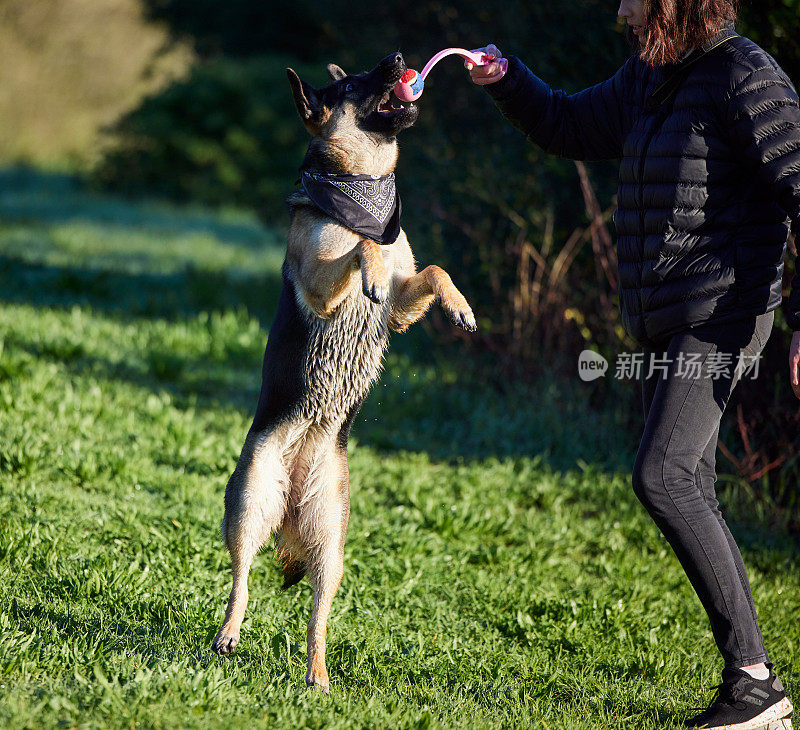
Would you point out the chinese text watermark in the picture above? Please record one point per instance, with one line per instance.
(693, 365)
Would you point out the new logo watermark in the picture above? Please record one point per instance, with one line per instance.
(591, 366)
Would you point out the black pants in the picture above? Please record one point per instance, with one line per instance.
(684, 398)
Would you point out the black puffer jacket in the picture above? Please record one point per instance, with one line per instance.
(709, 182)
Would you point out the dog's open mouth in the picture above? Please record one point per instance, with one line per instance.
(386, 106)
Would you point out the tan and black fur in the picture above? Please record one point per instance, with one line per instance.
(341, 296)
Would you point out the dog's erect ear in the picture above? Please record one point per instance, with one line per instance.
(335, 72)
(306, 98)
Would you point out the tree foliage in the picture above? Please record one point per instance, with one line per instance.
(775, 25)
(477, 196)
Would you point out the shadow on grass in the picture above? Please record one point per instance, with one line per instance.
(33, 196)
(150, 295)
(430, 399)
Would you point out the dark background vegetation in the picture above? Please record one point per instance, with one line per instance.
(526, 233)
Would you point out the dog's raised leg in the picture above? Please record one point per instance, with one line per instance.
(255, 501)
(325, 282)
(417, 293)
(323, 516)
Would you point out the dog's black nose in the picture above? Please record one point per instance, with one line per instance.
(389, 65)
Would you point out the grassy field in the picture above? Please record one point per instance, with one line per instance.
(499, 571)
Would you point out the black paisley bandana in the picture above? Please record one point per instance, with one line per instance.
(366, 204)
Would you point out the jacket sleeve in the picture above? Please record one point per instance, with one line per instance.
(583, 126)
(763, 117)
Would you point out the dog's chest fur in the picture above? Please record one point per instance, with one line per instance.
(343, 358)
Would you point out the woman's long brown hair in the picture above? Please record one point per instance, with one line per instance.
(672, 25)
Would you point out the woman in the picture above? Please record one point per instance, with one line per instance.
(707, 127)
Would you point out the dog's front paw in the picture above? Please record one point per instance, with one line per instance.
(224, 644)
(460, 315)
(466, 320)
(376, 290)
(453, 301)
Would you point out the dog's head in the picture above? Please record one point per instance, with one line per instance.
(355, 107)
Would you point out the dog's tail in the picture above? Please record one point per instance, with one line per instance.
(293, 567)
(292, 574)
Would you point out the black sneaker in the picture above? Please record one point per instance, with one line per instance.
(745, 703)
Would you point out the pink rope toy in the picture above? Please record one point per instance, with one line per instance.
(410, 86)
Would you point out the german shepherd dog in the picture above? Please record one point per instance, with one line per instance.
(341, 295)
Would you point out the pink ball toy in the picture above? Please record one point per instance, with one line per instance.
(411, 84)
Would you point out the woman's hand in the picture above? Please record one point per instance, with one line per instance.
(794, 363)
(491, 72)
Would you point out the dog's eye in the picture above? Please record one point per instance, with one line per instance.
(349, 87)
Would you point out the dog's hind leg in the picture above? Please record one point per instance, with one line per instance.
(255, 501)
(322, 525)
(416, 294)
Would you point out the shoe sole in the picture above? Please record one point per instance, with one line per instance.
(777, 717)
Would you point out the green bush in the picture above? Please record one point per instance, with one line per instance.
(476, 196)
(227, 134)
(775, 25)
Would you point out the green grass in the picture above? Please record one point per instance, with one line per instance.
(499, 571)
